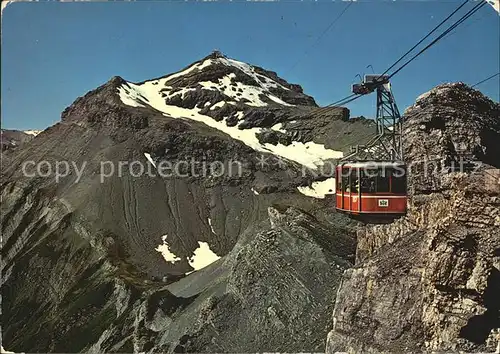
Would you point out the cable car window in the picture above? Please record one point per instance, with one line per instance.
(398, 183)
(368, 180)
(345, 179)
(383, 184)
(338, 178)
(354, 180)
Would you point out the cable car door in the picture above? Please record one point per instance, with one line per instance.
(355, 200)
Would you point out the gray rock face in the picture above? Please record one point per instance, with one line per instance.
(14, 138)
(450, 125)
(80, 266)
(430, 281)
(11, 140)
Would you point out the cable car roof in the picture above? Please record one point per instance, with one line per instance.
(373, 164)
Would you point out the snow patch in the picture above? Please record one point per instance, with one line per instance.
(277, 100)
(308, 154)
(218, 105)
(130, 98)
(319, 189)
(211, 227)
(239, 115)
(181, 92)
(199, 66)
(238, 91)
(250, 71)
(203, 256)
(255, 192)
(33, 132)
(278, 127)
(164, 249)
(2, 350)
(150, 159)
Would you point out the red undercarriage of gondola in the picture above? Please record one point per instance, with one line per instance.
(380, 203)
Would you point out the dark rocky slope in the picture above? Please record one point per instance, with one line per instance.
(11, 140)
(430, 282)
(80, 266)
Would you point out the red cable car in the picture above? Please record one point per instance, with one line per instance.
(371, 181)
(371, 188)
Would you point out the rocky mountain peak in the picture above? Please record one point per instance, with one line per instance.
(217, 80)
(215, 55)
(217, 88)
(447, 127)
(250, 104)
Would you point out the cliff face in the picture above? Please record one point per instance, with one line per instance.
(431, 280)
(447, 127)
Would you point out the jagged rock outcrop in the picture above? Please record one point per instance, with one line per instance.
(430, 282)
(447, 127)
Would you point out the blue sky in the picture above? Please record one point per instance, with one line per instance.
(54, 52)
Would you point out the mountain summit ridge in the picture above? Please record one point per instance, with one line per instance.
(248, 103)
(232, 78)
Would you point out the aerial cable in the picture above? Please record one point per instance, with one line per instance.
(353, 97)
(451, 28)
(336, 104)
(423, 39)
(465, 17)
(348, 98)
(332, 23)
(470, 24)
(483, 81)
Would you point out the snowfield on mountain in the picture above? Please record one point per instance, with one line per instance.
(154, 94)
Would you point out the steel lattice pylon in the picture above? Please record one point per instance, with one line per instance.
(387, 143)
